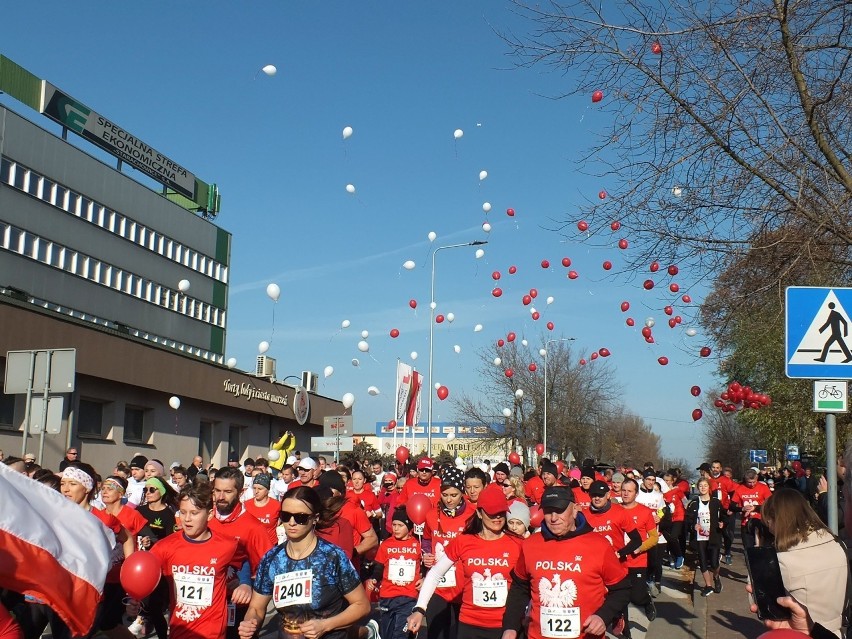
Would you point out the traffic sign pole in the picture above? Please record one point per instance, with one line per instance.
(831, 470)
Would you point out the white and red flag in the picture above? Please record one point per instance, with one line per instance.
(52, 549)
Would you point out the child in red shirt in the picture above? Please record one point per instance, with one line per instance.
(397, 566)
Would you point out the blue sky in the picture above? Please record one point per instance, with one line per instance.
(184, 77)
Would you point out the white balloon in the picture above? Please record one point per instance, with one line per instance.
(507, 412)
(691, 332)
(477, 328)
(486, 206)
(273, 291)
(457, 348)
(451, 317)
(524, 342)
(497, 361)
(365, 334)
(486, 227)
(519, 393)
(451, 437)
(413, 354)
(273, 455)
(347, 132)
(363, 346)
(459, 462)
(433, 305)
(269, 70)
(432, 235)
(232, 361)
(328, 371)
(479, 253)
(356, 362)
(408, 265)
(542, 352)
(437, 385)
(350, 188)
(483, 175)
(183, 286)
(532, 310)
(550, 299)
(372, 390)
(174, 402)
(345, 324)
(677, 191)
(263, 347)
(649, 322)
(348, 399)
(458, 133)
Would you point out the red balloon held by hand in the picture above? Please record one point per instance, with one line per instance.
(417, 507)
(402, 454)
(537, 517)
(443, 392)
(514, 458)
(539, 449)
(140, 574)
(597, 96)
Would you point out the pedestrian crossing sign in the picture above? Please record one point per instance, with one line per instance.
(818, 336)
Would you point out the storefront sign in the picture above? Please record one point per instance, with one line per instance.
(250, 392)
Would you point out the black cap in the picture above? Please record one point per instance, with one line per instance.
(704, 466)
(502, 467)
(549, 467)
(598, 489)
(248, 462)
(587, 471)
(139, 461)
(401, 514)
(649, 473)
(233, 458)
(557, 497)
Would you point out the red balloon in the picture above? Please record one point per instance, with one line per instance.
(655, 266)
(663, 360)
(394, 332)
(566, 262)
(535, 315)
(607, 265)
(674, 287)
(625, 306)
(497, 292)
(630, 321)
(391, 425)
(573, 275)
(511, 336)
(514, 458)
(513, 270)
(510, 212)
(622, 243)
(583, 225)
(668, 310)
(650, 339)
(582, 362)
(527, 300)
(672, 322)
(500, 343)
(648, 284)
(537, 517)
(594, 355)
(402, 454)
(443, 392)
(678, 319)
(719, 403)
(615, 225)
(140, 574)
(539, 449)
(656, 48)
(673, 270)
(695, 390)
(597, 96)
(697, 414)
(550, 326)
(533, 293)
(705, 351)
(646, 331)
(509, 372)
(417, 507)
(686, 299)
(532, 367)
(604, 352)
(602, 195)
(412, 303)
(439, 319)
(545, 264)
(495, 275)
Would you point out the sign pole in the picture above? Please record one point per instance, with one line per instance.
(45, 409)
(29, 401)
(831, 469)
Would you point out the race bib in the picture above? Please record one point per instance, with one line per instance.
(449, 579)
(490, 594)
(193, 590)
(293, 588)
(402, 571)
(560, 623)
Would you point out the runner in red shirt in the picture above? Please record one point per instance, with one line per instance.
(197, 561)
(365, 540)
(637, 561)
(574, 580)
(362, 495)
(534, 489)
(582, 499)
(748, 499)
(612, 521)
(674, 500)
(425, 484)
(263, 507)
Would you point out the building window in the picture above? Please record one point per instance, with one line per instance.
(7, 411)
(90, 418)
(134, 424)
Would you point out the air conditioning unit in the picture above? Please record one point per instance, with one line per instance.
(310, 381)
(265, 366)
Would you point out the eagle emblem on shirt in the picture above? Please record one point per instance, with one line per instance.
(558, 593)
(486, 578)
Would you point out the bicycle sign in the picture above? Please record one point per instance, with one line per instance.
(830, 396)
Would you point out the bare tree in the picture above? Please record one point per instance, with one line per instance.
(730, 120)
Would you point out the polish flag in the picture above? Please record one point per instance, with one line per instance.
(52, 549)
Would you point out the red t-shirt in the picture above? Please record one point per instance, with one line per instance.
(568, 580)
(199, 574)
(745, 496)
(114, 524)
(401, 559)
(413, 487)
(340, 534)
(486, 567)
(366, 499)
(441, 529)
(534, 488)
(612, 524)
(582, 499)
(721, 488)
(131, 519)
(642, 519)
(9, 628)
(266, 515)
(252, 540)
(675, 499)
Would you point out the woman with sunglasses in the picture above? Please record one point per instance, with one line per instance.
(311, 582)
(513, 489)
(113, 491)
(483, 556)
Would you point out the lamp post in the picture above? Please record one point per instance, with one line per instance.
(431, 332)
(550, 341)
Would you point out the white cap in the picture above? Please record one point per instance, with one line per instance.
(174, 465)
(307, 463)
(291, 460)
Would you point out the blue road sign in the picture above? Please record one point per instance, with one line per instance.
(792, 452)
(758, 456)
(818, 336)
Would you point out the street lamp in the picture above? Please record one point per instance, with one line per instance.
(431, 330)
(550, 341)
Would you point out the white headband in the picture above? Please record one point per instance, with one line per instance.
(80, 476)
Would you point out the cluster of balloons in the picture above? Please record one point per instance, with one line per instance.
(739, 397)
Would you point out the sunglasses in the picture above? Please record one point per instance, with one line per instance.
(506, 485)
(151, 489)
(301, 519)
